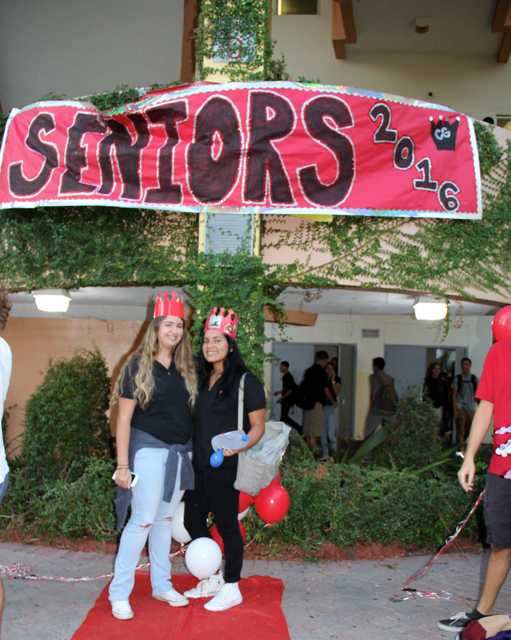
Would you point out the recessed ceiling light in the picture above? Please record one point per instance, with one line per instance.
(52, 300)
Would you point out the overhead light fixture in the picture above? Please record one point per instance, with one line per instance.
(430, 310)
(52, 300)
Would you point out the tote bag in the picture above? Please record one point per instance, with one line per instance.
(258, 465)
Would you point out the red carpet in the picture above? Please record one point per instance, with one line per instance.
(258, 618)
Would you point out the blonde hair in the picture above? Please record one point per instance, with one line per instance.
(146, 354)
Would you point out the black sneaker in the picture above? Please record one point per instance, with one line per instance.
(459, 621)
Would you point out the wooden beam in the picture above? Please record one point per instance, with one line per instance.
(502, 24)
(190, 20)
(293, 317)
(349, 21)
(343, 27)
(502, 16)
(505, 48)
(338, 31)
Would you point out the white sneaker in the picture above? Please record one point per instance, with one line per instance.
(121, 610)
(172, 597)
(228, 596)
(207, 587)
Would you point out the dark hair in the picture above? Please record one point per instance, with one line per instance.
(379, 363)
(285, 363)
(321, 355)
(466, 360)
(234, 368)
(429, 370)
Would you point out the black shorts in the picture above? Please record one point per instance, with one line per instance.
(497, 511)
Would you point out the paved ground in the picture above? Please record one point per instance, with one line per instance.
(324, 601)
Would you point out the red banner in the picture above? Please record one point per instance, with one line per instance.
(274, 147)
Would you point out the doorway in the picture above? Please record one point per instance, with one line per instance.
(407, 364)
(300, 357)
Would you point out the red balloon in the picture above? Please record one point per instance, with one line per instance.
(272, 503)
(245, 501)
(215, 534)
(501, 325)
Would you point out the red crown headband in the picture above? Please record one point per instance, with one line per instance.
(224, 321)
(164, 307)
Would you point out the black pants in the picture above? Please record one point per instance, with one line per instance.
(284, 417)
(214, 492)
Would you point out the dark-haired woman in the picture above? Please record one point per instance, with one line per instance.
(436, 390)
(155, 393)
(221, 368)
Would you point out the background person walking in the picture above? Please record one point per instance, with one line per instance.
(382, 397)
(464, 389)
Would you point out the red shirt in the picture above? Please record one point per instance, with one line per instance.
(495, 387)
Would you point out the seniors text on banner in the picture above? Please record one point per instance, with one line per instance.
(276, 147)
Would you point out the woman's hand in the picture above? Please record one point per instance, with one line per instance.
(123, 478)
(229, 452)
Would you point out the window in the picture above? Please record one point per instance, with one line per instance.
(297, 7)
(228, 232)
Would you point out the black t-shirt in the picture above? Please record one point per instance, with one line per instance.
(288, 382)
(315, 381)
(168, 414)
(215, 414)
(437, 390)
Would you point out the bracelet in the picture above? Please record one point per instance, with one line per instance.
(122, 466)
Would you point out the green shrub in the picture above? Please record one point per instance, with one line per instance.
(297, 451)
(349, 504)
(411, 437)
(66, 421)
(83, 507)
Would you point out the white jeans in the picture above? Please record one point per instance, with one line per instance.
(151, 518)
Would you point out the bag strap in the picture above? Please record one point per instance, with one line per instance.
(241, 402)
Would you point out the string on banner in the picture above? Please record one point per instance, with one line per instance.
(19, 571)
(409, 593)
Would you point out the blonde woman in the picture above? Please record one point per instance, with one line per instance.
(155, 394)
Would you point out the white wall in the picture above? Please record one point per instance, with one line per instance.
(474, 334)
(454, 61)
(76, 47)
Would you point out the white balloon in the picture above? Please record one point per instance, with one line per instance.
(243, 514)
(203, 558)
(179, 533)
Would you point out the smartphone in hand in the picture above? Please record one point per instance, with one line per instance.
(134, 479)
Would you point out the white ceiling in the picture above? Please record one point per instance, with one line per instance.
(132, 303)
(356, 302)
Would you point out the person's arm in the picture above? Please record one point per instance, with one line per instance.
(126, 407)
(328, 393)
(455, 398)
(480, 425)
(257, 421)
(256, 432)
